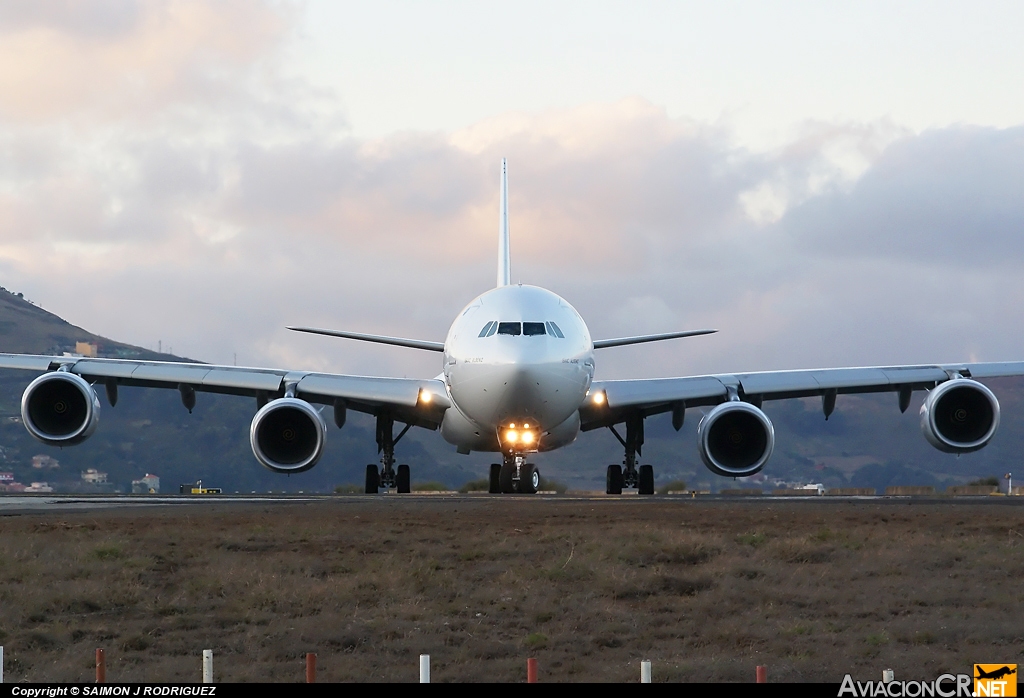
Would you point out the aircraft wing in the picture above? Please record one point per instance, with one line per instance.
(405, 399)
(611, 401)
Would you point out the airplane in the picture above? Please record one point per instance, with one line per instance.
(517, 379)
(995, 673)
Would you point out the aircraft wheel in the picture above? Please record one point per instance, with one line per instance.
(529, 479)
(372, 479)
(495, 481)
(613, 481)
(508, 486)
(646, 480)
(402, 480)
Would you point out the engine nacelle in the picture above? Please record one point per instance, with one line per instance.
(735, 439)
(60, 408)
(287, 435)
(960, 416)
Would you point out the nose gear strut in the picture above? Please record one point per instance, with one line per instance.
(516, 475)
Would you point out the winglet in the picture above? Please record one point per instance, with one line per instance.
(504, 261)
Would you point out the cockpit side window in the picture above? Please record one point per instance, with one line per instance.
(531, 329)
(494, 328)
(512, 328)
(486, 329)
(555, 331)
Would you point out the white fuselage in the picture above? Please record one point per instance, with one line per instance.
(532, 367)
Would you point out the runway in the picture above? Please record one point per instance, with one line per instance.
(15, 504)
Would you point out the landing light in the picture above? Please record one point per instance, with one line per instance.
(527, 437)
(599, 398)
(511, 436)
(425, 397)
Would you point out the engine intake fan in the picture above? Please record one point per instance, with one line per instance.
(735, 439)
(287, 435)
(960, 416)
(60, 408)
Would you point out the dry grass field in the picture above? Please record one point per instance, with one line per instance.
(706, 590)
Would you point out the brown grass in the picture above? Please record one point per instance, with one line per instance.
(705, 590)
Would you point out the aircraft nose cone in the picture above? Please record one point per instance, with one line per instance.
(525, 394)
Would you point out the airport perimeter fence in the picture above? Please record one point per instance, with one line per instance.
(532, 668)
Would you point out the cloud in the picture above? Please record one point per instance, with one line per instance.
(98, 19)
(949, 196)
(119, 57)
(165, 182)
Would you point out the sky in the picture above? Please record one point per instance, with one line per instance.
(826, 184)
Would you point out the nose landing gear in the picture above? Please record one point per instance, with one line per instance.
(515, 475)
(627, 474)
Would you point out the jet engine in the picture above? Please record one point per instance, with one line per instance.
(960, 416)
(735, 439)
(60, 408)
(287, 435)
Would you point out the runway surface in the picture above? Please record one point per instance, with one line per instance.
(15, 504)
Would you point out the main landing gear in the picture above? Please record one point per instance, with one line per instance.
(387, 476)
(515, 475)
(627, 474)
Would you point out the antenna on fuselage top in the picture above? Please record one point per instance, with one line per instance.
(504, 260)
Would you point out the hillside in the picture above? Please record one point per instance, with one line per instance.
(867, 442)
(25, 328)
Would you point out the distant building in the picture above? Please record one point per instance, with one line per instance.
(147, 485)
(45, 462)
(94, 477)
(86, 349)
(39, 487)
(7, 483)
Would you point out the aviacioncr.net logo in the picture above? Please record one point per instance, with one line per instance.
(946, 686)
(995, 680)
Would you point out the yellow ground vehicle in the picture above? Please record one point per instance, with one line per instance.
(198, 488)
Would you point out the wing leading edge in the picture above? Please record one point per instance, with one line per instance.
(421, 402)
(619, 398)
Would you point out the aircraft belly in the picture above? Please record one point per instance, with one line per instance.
(561, 435)
(457, 429)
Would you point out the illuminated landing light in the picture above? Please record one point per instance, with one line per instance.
(511, 436)
(527, 437)
(425, 397)
(598, 398)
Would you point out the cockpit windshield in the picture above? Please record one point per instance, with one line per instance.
(515, 329)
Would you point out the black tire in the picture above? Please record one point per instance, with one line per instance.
(505, 479)
(372, 479)
(613, 481)
(646, 480)
(402, 480)
(529, 479)
(495, 481)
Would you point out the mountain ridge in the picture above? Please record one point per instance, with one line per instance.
(866, 442)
